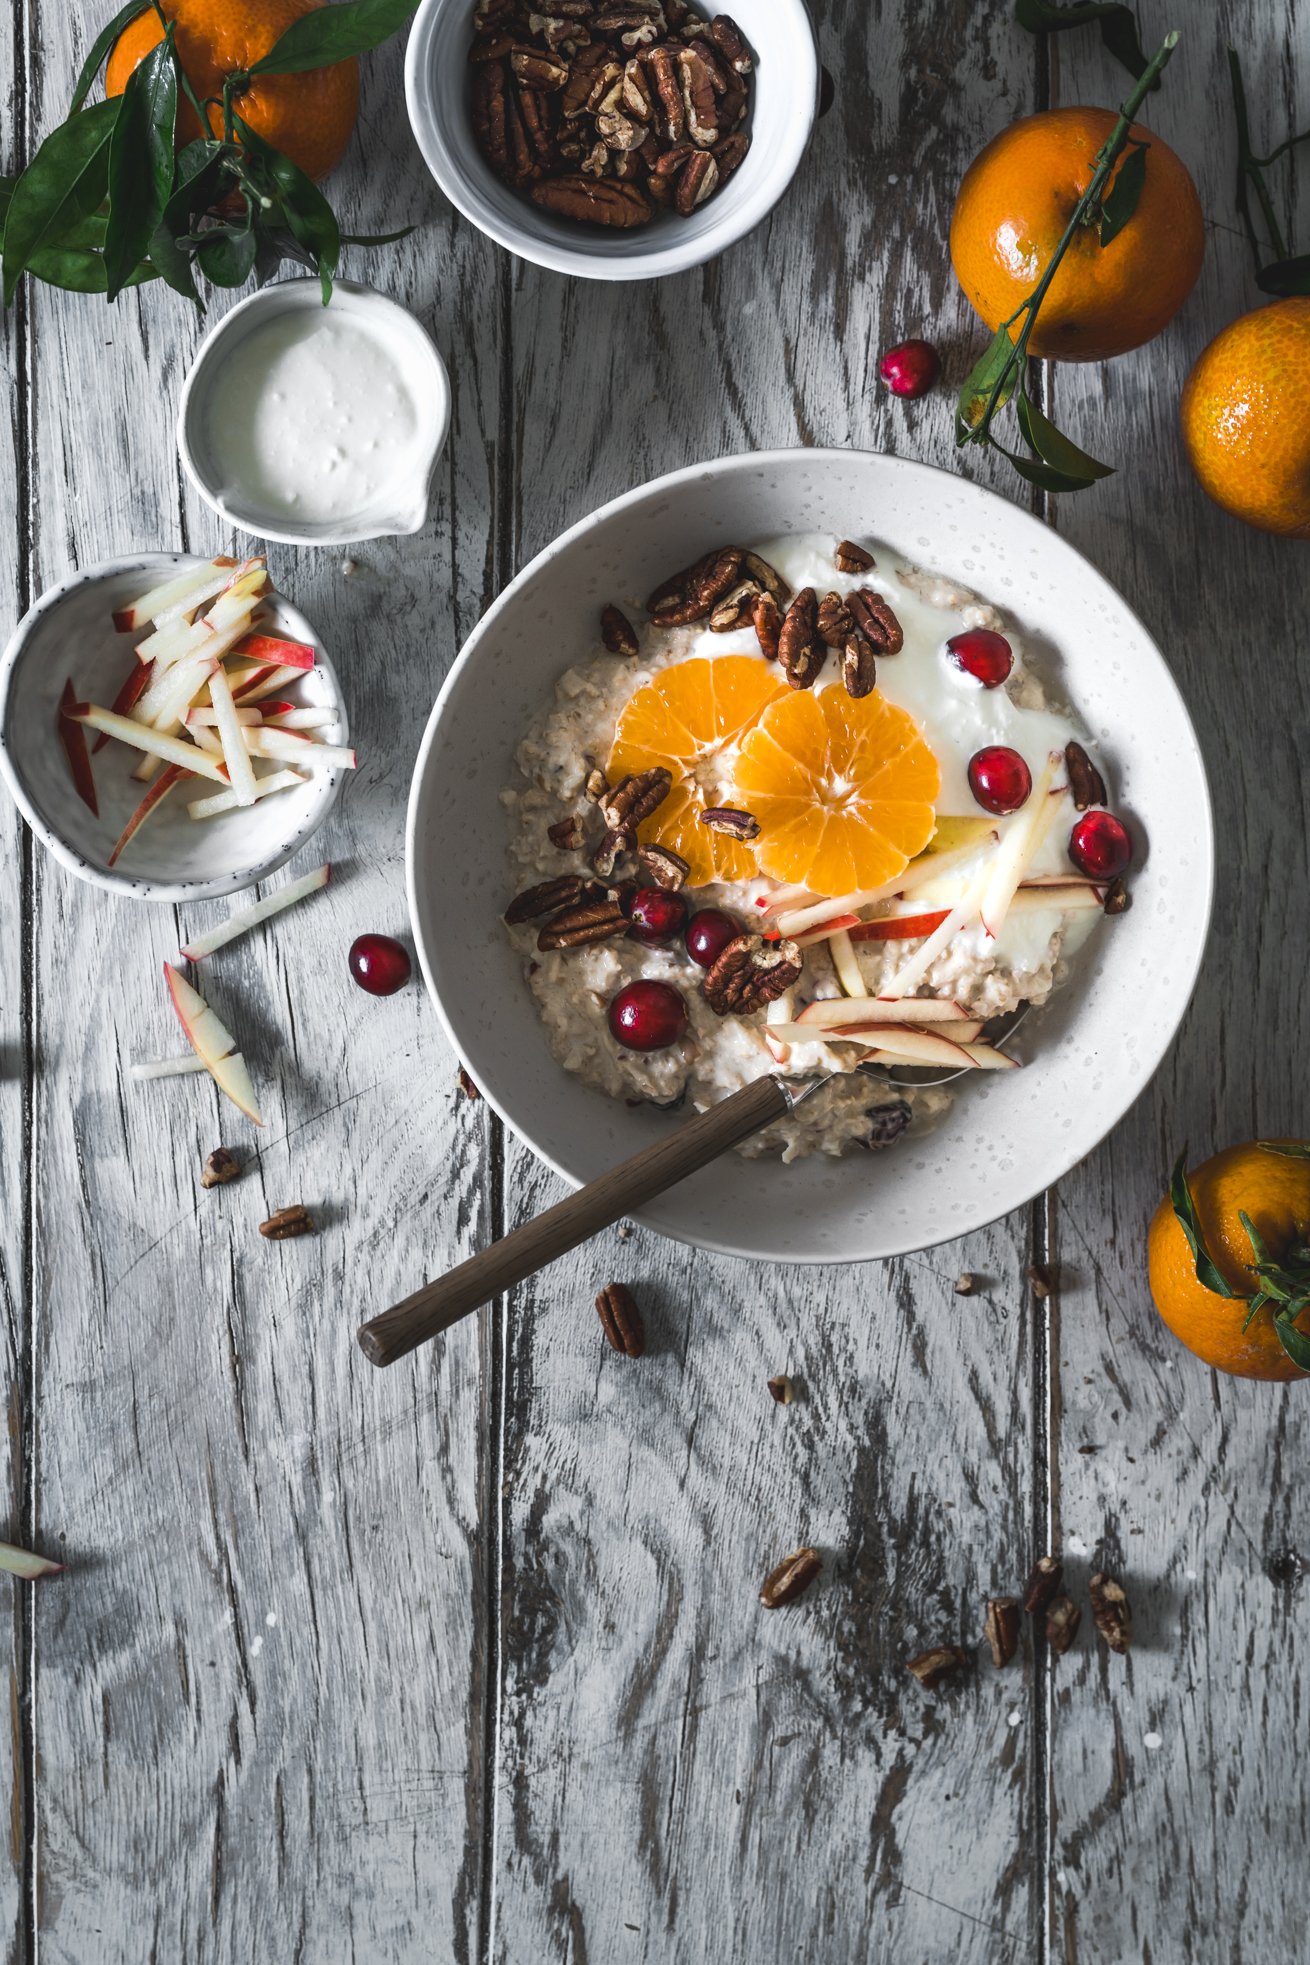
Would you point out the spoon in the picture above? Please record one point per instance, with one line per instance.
(438, 1305)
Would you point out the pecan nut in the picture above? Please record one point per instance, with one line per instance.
(800, 651)
(849, 558)
(545, 898)
(1062, 1620)
(596, 785)
(617, 632)
(834, 620)
(766, 618)
(765, 576)
(791, 1579)
(781, 1389)
(598, 202)
(934, 1666)
(728, 819)
(615, 843)
(698, 180)
(735, 608)
(490, 98)
(664, 867)
(567, 833)
(220, 1168)
(1044, 1579)
(589, 921)
(286, 1223)
(1085, 781)
(538, 71)
(690, 595)
(749, 973)
(859, 669)
(620, 1319)
(699, 96)
(1001, 1628)
(731, 43)
(668, 92)
(730, 154)
(1111, 1612)
(1117, 899)
(635, 797)
(876, 621)
(466, 1085)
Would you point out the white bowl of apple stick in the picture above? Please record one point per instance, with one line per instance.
(170, 727)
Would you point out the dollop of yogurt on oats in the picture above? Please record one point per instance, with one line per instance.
(990, 976)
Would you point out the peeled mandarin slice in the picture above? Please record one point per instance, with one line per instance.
(842, 786)
(685, 718)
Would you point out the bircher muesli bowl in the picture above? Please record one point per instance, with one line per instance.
(648, 863)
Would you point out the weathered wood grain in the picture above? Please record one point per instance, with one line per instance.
(683, 1775)
(1177, 1786)
(257, 1701)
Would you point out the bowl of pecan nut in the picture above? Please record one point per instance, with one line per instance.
(619, 141)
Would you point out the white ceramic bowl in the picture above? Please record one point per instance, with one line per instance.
(1088, 1054)
(785, 95)
(404, 507)
(70, 634)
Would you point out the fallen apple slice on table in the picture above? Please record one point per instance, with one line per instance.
(246, 918)
(167, 1067)
(73, 738)
(214, 1044)
(22, 1562)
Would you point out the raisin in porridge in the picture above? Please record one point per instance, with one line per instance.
(814, 811)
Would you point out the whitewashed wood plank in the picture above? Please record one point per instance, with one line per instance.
(262, 1679)
(1176, 1778)
(683, 1775)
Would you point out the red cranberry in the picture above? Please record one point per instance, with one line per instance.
(656, 915)
(647, 1016)
(911, 368)
(708, 934)
(983, 654)
(1099, 845)
(379, 964)
(999, 779)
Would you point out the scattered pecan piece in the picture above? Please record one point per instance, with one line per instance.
(847, 557)
(1117, 899)
(749, 973)
(620, 1319)
(735, 607)
(690, 595)
(635, 797)
(672, 160)
(964, 1283)
(280, 1227)
(730, 154)
(791, 1579)
(545, 898)
(638, 97)
(731, 43)
(615, 842)
(596, 785)
(567, 833)
(766, 618)
(589, 921)
(781, 1389)
(1041, 1279)
(1001, 1628)
(1085, 781)
(834, 620)
(1111, 1613)
(729, 820)
(1044, 1579)
(220, 1168)
(932, 1668)
(617, 632)
(800, 651)
(859, 669)
(886, 1124)
(466, 1085)
(875, 620)
(603, 202)
(698, 181)
(664, 867)
(538, 71)
(1062, 1620)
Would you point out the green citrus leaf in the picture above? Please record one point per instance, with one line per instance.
(100, 47)
(226, 255)
(988, 371)
(67, 179)
(172, 262)
(332, 34)
(1184, 1208)
(1121, 200)
(1289, 1149)
(1295, 1342)
(1117, 22)
(1057, 450)
(1285, 276)
(309, 217)
(141, 162)
(78, 270)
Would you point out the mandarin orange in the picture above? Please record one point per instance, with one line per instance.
(1246, 417)
(1013, 206)
(309, 117)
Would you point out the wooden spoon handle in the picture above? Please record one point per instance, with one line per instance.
(438, 1305)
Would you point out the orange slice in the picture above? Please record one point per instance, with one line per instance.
(842, 786)
(685, 718)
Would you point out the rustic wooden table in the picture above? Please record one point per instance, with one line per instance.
(464, 1661)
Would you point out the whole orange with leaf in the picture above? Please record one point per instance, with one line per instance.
(1246, 417)
(1239, 1223)
(308, 117)
(1012, 210)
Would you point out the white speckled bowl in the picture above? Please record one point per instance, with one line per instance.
(1088, 1055)
(784, 104)
(70, 634)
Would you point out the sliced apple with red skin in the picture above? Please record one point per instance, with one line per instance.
(830, 1011)
(282, 654)
(155, 797)
(246, 918)
(919, 873)
(814, 936)
(290, 716)
(225, 801)
(841, 952)
(73, 738)
(232, 736)
(171, 749)
(1019, 844)
(778, 1011)
(913, 1046)
(261, 684)
(135, 684)
(177, 594)
(212, 1042)
(899, 927)
(988, 1058)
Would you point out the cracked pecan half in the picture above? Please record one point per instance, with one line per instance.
(932, 1668)
(875, 620)
(620, 1319)
(728, 819)
(859, 669)
(731, 43)
(545, 898)
(791, 1579)
(617, 632)
(1044, 1579)
(730, 154)
(1062, 1620)
(664, 867)
(690, 596)
(635, 797)
(1001, 1629)
(734, 610)
(598, 201)
(834, 620)
(1111, 1613)
(589, 921)
(567, 834)
(615, 844)
(800, 651)
(663, 74)
(766, 618)
(767, 576)
(1085, 781)
(749, 973)
(847, 557)
(698, 181)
